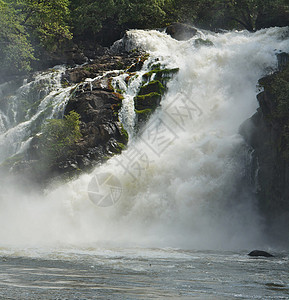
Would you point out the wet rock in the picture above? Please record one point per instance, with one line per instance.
(181, 32)
(100, 65)
(283, 59)
(257, 253)
(267, 132)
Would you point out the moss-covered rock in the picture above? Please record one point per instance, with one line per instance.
(163, 75)
(97, 104)
(201, 42)
(154, 86)
(151, 100)
(143, 115)
(151, 92)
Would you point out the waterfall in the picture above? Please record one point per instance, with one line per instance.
(180, 181)
(22, 112)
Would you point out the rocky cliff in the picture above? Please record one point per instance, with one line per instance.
(97, 103)
(267, 132)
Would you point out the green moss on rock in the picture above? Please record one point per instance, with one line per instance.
(143, 115)
(201, 42)
(151, 101)
(124, 134)
(160, 74)
(154, 86)
(11, 161)
(120, 147)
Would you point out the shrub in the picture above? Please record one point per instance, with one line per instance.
(59, 135)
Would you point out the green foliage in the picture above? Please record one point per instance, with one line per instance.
(92, 15)
(16, 51)
(89, 15)
(29, 24)
(59, 135)
(226, 14)
(10, 161)
(143, 14)
(47, 21)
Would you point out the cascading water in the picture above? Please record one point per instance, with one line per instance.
(179, 181)
(23, 112)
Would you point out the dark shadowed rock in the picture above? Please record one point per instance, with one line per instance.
(181, 32)
(260, 253)
(267, 132)
(272, 18)
(100, 65)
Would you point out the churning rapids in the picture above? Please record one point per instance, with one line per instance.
(184, 215)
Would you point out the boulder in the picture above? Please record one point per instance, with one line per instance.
(181, 32)
(257, 253)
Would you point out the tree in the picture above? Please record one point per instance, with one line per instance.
(46, 20)
(234, 13)
(142, 14)
(16, 51)
(27, 25)
(92, 15)
(89, 15)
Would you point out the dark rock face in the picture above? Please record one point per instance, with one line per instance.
(272, 19)
(267, 132)
(70, 54)
(102, 133)
(257, 253)
(103, 136)
(181, 32)
(100, 65)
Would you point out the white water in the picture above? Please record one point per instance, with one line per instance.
(49, 99)
(181, 180)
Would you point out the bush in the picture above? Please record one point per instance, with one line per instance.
(59, 135)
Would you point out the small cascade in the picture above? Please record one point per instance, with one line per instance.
(26, 109)
(129, 86)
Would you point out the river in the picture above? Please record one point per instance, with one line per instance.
(141, 274)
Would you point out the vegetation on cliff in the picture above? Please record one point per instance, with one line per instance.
(59, 135)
